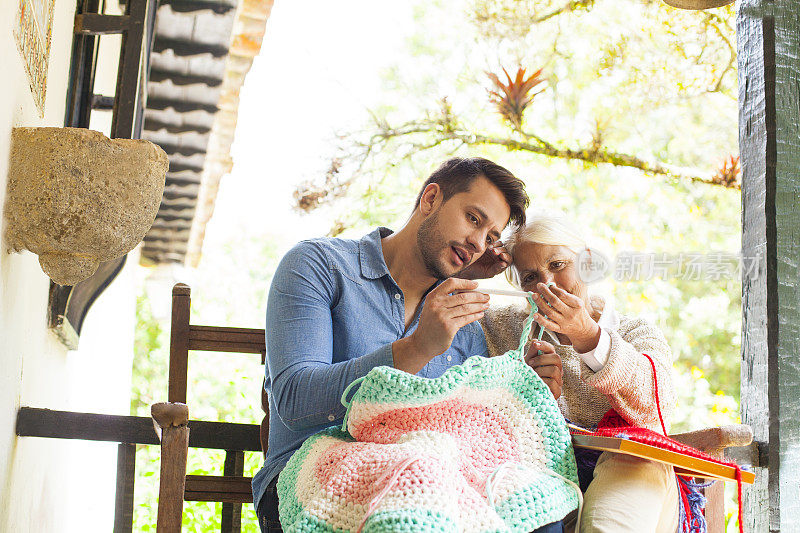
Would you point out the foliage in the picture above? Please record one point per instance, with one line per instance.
(630, 83)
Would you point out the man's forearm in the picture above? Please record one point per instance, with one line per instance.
(309, 394)
(407, 356)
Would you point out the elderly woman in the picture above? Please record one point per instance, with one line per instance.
(591, 358)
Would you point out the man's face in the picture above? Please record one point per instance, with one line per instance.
(459, 231)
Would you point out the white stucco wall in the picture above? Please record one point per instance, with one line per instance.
(53, 485)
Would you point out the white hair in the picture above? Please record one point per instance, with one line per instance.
(554, 230)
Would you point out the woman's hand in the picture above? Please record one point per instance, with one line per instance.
(547, 364)
(494, 260)
(566, 314)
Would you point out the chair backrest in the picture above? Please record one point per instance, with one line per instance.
(185, 336)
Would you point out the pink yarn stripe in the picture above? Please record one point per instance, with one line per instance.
(395, 472)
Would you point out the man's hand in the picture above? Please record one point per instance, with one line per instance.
(566, 314)
(547, 365)
(443, 314)
(493, 261)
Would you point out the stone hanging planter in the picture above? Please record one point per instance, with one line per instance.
(77, 198)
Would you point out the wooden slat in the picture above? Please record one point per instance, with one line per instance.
(219, 339)
(230, 489)
(223, 346)
(222, 333)
(233, 484)
(224, 497)
(34, 422)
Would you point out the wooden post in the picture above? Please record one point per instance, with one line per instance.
(769, 140)
(715, 500)
(171, 420)
(126, 471)
(232, 512)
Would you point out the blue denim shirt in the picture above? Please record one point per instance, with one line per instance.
(333, 313)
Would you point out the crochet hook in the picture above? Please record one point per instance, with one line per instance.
(503, 292)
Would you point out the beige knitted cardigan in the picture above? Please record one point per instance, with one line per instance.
(625, 382)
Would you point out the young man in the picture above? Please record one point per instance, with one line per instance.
(338, 308)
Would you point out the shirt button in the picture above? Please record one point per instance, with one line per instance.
(449, 357)
(397, 296)
(331, 418)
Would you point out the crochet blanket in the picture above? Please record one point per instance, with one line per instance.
(483, 447)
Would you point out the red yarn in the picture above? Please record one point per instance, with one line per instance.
(612, 419)
(614, 425)
(655, 386)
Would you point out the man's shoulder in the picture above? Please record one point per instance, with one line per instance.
(325, 246)
(322, 253)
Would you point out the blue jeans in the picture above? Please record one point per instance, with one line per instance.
(268, 514)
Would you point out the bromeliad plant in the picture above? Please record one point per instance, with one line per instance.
(513, 96)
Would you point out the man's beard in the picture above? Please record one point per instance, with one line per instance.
(431, 243)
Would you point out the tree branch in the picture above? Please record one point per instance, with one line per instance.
(566, 8)
(534, 144)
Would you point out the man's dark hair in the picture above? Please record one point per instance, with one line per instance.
(457, 175)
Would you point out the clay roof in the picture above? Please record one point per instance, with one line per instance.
(201, 53)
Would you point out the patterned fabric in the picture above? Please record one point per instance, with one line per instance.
(481, 448)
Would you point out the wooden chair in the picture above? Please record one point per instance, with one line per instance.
(173, 424)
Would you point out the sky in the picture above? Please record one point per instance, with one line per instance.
(317, 74)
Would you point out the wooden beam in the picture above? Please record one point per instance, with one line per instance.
(769, 139)
(34, 422)
(98, 24)
(131, 72)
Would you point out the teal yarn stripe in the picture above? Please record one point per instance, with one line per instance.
(552, 500)
(411, 519)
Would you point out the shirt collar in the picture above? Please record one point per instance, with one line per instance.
(370, 253)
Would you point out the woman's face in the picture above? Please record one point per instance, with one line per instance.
(543, 263)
